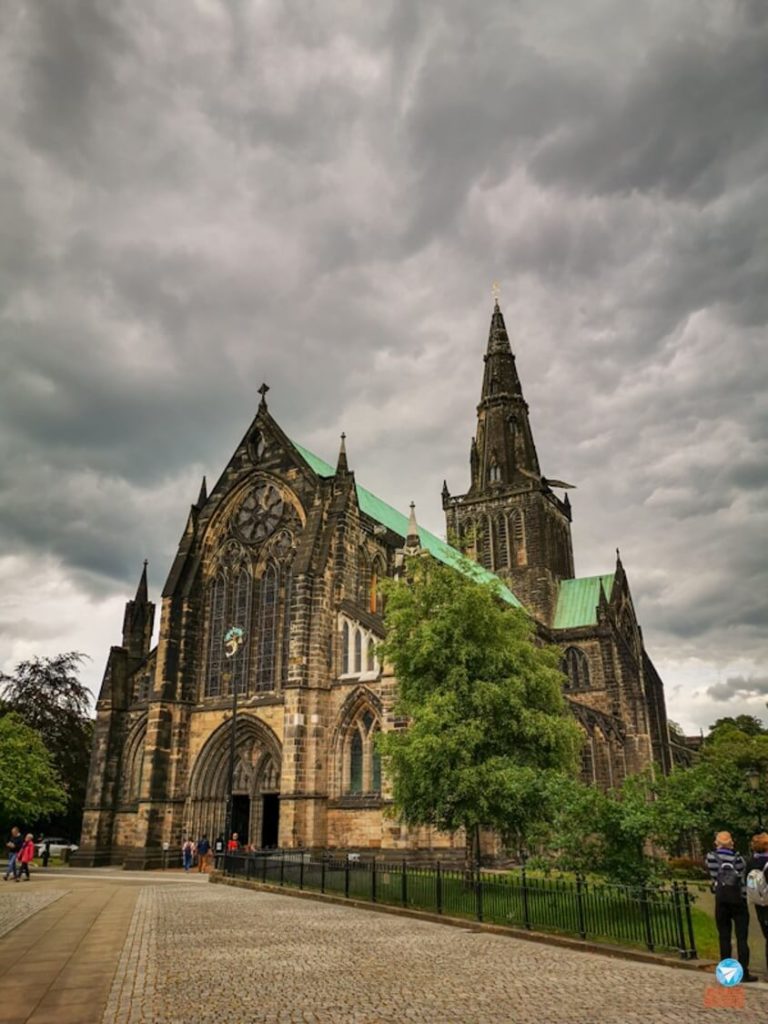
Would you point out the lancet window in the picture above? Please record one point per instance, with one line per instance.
(576, 667)
(362, 761)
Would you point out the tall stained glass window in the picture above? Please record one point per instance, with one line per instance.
(216, 637)
(356, 763)
(240, 616)
(267, 638)
(286, 640)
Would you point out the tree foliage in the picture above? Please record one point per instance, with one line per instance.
(47, 695)
(488, 725)
(716, 792)
(30, 788)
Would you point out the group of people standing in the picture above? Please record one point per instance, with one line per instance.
(21, 852)
(203, 852)
(737, 883)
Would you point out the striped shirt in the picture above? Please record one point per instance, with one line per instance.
(725, 856)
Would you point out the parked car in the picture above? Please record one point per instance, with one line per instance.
(58, 845)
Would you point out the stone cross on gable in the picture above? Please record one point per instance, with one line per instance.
(263, 392)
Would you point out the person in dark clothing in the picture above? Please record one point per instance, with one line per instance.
(13, 846)
(727, 871)
(203, 853)
(758, 862)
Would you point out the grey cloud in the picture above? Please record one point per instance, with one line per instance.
(195, 199)
(739, 688)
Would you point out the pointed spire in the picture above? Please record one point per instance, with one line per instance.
(142, 593)
(412, 540)
(618, 560)
(341, 462)
(446, 492)
(498, 339)
(203, 496)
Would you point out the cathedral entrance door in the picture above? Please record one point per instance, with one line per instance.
(270, 820)
(241, 817)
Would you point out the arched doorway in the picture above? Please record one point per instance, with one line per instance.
(256, 803)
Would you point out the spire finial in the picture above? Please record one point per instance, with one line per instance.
(412, 540)
(203, 495)
(341, 462)
(495, 292)
(263, 392)
(142, 593)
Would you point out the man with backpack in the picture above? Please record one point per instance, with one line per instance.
(757, 883)
(727, 869)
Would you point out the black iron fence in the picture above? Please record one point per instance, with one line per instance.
(657, 919)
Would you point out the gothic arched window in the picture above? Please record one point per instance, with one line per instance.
(587, 761)
(500, 542)
(485, 543)
(345, 649)
(363, 579)
(517, 526)
(362, 762)
(267, 634)
(241, 616)
(370, 661)
(356, 763)
(358, 651)
(576, 667)
(286, 651)
(218, 598)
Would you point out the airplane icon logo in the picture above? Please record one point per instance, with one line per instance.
(729, 972)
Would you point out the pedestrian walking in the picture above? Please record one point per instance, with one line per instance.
(13, 846)
(727, 870)
(25, 857)
(757, 883)
(187, 853)
(46, 854)
(203, 853)
(218, 848)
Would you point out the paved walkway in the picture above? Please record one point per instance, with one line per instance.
(116, 949)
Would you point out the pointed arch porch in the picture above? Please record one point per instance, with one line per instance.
(258, 763)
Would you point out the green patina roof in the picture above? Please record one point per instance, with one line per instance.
(398, 523)
(577, 601)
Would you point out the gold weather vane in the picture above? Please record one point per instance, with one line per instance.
(495, 291)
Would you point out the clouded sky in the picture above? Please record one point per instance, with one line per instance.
(198, 196)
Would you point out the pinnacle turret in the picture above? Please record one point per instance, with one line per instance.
(203, 496)
(341, 463)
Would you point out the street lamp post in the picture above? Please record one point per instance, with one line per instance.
(233, 640)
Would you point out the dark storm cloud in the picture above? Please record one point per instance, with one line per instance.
(199, 197)
(739, 687)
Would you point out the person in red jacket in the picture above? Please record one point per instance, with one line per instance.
(25, 855)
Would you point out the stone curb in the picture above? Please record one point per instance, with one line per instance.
(620, 952)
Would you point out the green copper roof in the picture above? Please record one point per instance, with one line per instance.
(577, 601)
(398, 523)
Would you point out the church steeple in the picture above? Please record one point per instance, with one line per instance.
(510, 520)
(139, 619)
(502, 452)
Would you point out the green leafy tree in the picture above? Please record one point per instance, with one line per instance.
(30, 788)
(488, 727)
(48, 696)
(716, 792)
(748, 724)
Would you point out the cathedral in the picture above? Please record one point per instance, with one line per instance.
(272, 608)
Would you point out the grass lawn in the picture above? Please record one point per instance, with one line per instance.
(707, 945)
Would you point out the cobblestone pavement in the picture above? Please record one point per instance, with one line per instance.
(211, 953)
(20, 900)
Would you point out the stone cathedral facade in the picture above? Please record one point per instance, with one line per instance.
(291, 549)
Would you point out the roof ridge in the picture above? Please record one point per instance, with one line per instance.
(370, 504)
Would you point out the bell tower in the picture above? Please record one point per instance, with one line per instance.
(510, 520)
